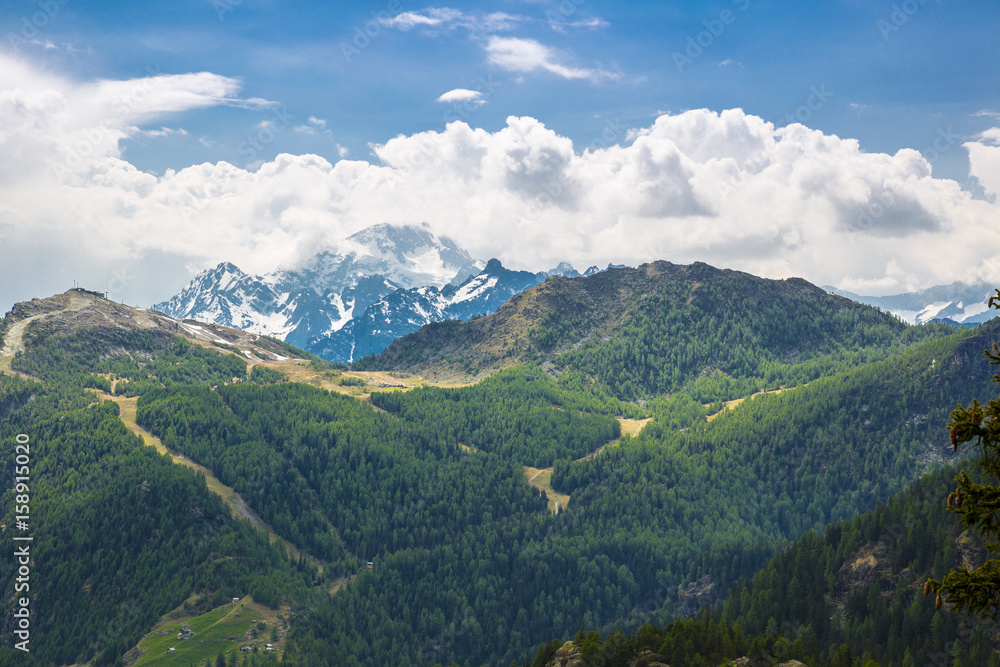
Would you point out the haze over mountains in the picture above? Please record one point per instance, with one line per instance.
(957, 303)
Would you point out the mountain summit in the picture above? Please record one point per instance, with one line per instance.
(652, 329)
(354, 299)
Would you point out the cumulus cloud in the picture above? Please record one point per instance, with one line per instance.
(528, 55)
(727, 188)
(984, 160)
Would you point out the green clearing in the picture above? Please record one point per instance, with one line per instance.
(224, 629)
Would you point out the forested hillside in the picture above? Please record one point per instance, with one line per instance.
(688, 507)
(121, 535)
(429, 485)
(846, 595)
(661, 327)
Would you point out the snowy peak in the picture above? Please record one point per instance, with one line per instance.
(957, 303)
(566, 270)
(226, 295)
(405, 311)
(224, 275)
(563, 269)
(356, 297)
(409, 254)
(404, 241)
(406, 256)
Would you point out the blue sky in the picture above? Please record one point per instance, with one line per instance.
(340, 80)
(893, 83)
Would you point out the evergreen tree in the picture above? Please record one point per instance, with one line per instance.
(976, 591)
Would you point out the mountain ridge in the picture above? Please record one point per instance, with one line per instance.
(353, 299)
(658, 307)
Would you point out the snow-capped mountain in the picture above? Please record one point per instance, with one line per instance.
(354, 299)
(406, 310)
(957, 303)
(322, 295)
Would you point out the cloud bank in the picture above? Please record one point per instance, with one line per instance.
(726, 188)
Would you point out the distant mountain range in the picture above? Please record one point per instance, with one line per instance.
(353, 300)
(957, 304)
(386, 281)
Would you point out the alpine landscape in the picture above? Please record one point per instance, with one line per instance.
(379, 386)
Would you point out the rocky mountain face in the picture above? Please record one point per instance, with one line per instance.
(958, 304)
(406, 310)
(353, 300)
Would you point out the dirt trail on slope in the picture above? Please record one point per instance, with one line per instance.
(13, 340)
(541, 478)
(731, 405)
(238, 506)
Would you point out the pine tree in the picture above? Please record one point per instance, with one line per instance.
(976, 591)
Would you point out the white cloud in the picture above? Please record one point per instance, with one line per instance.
(511, 53)
(592, 23)
(57, 127)
(407, 20)
(528, 55)
(164, 132)
(727, 188)
(984, 160)
(462, 95)
(313, 126)
(446, 18)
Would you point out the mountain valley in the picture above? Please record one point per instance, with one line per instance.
(395, 521)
